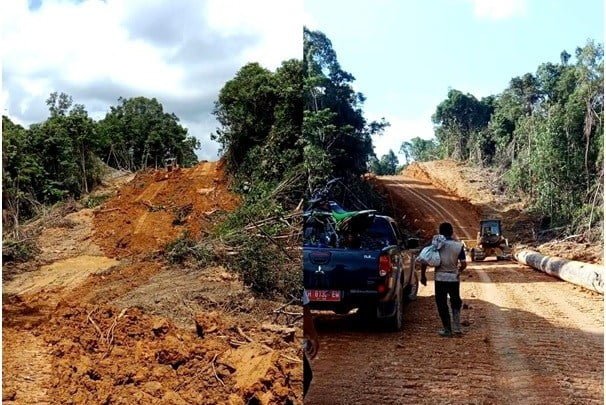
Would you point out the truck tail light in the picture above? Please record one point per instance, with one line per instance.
(384, 265)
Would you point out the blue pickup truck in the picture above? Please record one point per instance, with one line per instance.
(376, 276)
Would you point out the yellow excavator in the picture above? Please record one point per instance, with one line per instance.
(490, 242)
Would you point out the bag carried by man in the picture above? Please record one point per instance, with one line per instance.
(430, 255)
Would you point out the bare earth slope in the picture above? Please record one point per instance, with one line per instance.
(528, 338)
(102, 318)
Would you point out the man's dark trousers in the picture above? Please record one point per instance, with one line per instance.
(443, 290)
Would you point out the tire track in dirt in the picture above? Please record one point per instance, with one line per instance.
(410, 193)
(27, 379)
(360, 364)
(566, 354)
(439, 209)
(517, 381)
(528, 338)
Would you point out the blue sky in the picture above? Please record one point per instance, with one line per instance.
(405, 55)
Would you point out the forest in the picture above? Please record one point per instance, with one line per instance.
(286, 132)
(544, 134)
(64, 156)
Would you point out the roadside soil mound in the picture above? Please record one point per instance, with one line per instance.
(485, 190)
(97, 317)
(157, 206)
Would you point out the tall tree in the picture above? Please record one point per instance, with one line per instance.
(458, 119)
(336, 136)
(421, 150)
(245, 111)
(386, 166)
(138, 133)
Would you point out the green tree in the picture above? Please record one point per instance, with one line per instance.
(421, 150)
(458, 120)
(245, 111)
(138, 133)
(22, 173)
(386, 166)
(336, 136)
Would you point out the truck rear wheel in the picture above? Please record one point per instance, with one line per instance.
(411, 291)
(395, 322)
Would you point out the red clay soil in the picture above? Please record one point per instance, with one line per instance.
(100, 354)
(158, 206)
(88, 329)
(528, 338)
(422, 206)
(483, 190)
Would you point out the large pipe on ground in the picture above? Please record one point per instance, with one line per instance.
(586, 275)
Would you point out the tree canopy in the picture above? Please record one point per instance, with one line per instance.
(544, 131)
(62, 156)
(336, 136)
(138, 133)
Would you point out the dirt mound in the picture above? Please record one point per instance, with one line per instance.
(485, 189)
(109, 356)
(158, 206)
(480, 186)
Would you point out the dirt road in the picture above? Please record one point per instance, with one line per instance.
(528, 338)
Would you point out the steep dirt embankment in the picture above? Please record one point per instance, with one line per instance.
(483, 189)
(422, 206)
(158, 206)
(527, 338)
(101, 317)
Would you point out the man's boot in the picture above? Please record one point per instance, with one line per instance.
(444, 332)
(456, 321)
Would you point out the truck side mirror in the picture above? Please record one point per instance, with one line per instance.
(412, 243)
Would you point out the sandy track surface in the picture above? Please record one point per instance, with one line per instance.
(528, 338)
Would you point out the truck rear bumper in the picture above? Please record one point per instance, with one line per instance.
(356, 299)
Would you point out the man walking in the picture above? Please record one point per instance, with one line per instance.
(447, 281)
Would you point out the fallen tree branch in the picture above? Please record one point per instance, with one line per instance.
(91, 320)
(215, 370)
(273, 241)
(109, 336)
(293, 300)
(291, 358)
(108, 210)
(241, 333)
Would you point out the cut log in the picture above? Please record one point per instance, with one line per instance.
(586, 275)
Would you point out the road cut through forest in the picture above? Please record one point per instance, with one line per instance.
(528, 338)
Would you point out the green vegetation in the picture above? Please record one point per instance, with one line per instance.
(336, 137)
(138, 134)
(419, 149)
(282, 134)
(63, 156)
(545, 134)
(388, 165)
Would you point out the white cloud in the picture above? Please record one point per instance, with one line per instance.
(402, 129)
(499, 9)
(278, 22)
(179, 52)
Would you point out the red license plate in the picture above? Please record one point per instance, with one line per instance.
(324, 295)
